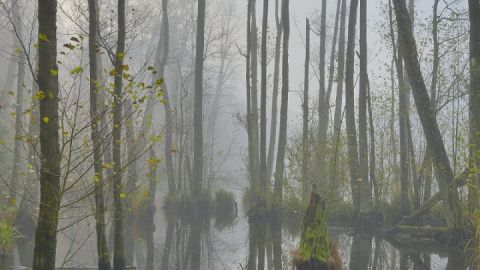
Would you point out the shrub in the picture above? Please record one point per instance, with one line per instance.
(8, 234)
(225, 208)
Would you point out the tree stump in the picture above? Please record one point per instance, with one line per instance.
(316, 251)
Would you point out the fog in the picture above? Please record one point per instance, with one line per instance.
(176, 134)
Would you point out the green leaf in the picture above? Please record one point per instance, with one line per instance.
(54, 72)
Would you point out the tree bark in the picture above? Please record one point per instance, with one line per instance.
(373, 179)
(198, 106)
(305, 110)
(362, 111)
(427, 117)
(282, 139)
(254, 95)
(46, 232)
(337, 120)
(331, 69)
(18, 106)
(323, 103)
(263, 102)
(276, 75)
(102, 248)
(150, 218)
(162, 63)
(355, 177)
(474, 12)
(119, 232)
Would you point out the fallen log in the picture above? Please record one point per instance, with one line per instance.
(437, 197)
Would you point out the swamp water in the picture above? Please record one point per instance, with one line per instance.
(202, 243)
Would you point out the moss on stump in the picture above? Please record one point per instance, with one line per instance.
(316, 251)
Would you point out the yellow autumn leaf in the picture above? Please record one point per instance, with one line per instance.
(107, 166)
(96, 178)
(123, 195)
(43, 37)
(46, 119)
(153, 161)
(40, 95)
(145, 194)
(54, 72)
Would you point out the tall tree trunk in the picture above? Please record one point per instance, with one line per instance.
(18, 106)
(373, 179)
(251, 151)
(337, 120)
(323, 103)
(165, 37)
(353, 164)
(402, 119)
(132, 149)
(254, 94)
(150, 218)
(276, 75)
(119, 232)
(282, 139)
(95, 119)
(474, 11)
(365, 199)
(46, 232)
(331, 69)
(305, 110)
(426, 169)
(443, 169)
(198, 103)
(263, 102)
